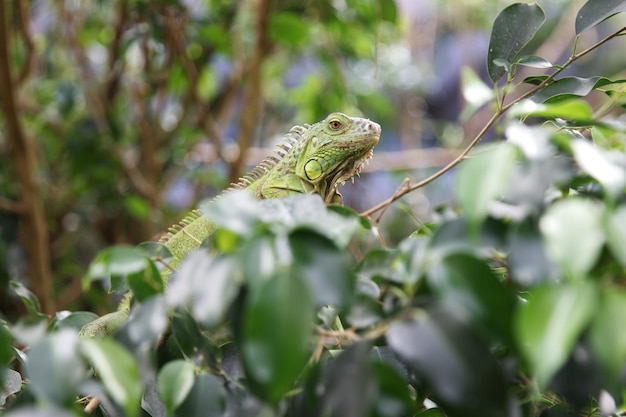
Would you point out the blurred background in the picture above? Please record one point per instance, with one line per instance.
(119, 116)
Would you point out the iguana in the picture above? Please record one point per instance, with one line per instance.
(316, 158)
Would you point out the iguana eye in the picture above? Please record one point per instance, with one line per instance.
(335, 124)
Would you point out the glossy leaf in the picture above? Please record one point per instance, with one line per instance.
(275, 335)
(206, 398)
(55, 369)
(174, 382)
(609, 169)
(482, 178)
(594, 12)
(72, 320)
(116, 262)
(573, 235)
(118, 372)
(574, 110)
(607, 338)
(568, 87)
(28, 298)
(550, 323)
(468, 287)
(513, 28)
(534, 61)
(453, 360)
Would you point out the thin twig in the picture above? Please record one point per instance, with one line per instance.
(499, 112)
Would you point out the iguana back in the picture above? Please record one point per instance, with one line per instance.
(313, 159)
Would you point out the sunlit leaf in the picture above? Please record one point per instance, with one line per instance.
(475, 92)
(574, 110)
(118, 372)
(594, 12)
(572, 230)
(549, 324)
(174, 382)
(513, 28)
(482, 178)
(534, 61)
(55, 369)
(609, 170)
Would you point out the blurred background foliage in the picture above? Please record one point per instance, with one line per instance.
(133, 111)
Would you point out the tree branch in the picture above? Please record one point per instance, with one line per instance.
(496, 116)
(34, 231)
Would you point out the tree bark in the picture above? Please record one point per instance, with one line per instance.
(34, 231)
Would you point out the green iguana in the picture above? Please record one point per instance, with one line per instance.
(315, 158)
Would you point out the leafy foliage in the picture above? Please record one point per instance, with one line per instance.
(510, 304)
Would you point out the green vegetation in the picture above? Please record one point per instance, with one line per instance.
(507, 301)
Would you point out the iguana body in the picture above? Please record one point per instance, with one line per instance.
(315, 158)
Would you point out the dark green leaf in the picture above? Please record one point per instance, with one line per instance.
(568, 87)
(174, 382)
(468, 287)
(327, 271)
(55, 369)
(513, 28)
(192, 341)
(276, 332)
(527, 259)
(454, 361)
(118, 372)
(206, 398)
(146, 283)
(595, 11)
(550, 323)
(393, 399)
(349, 384)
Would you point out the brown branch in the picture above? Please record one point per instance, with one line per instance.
(18, 207)
(34, 230)
(503, 108)
(251, 110)
(28, 41)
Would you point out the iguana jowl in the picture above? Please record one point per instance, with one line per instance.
(316, 158)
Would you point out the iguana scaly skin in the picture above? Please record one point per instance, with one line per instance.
(315, 158)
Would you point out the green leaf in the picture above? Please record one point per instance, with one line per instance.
(454, 362)
(118, 372)
(568, 87)
(72, 320)
(475, 92)
(206, 398)
(607, 336)
(326, 270)
(573, 110)
(10, 383)
(609, 169)
(482, 178)
(275, 335)
(394, 399)
(513, 28)
(549, 324)
(28, 298)
(55, 369)
(595, 11)
(116, 262)
(146, 283)
(174, 382)
(572, 230)
(534, 62)
(468, 287)
(615, 230)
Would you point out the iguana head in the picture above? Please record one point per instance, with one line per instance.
(333, 152)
